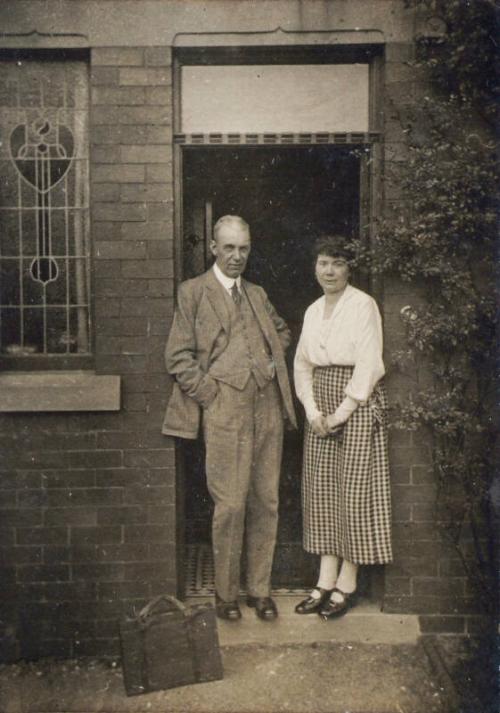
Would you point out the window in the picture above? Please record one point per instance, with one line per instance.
(279, 97)
(44, 208)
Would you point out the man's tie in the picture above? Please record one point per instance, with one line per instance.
(235, 294)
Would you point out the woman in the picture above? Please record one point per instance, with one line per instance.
(345, 487)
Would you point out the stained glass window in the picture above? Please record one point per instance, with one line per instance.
(44, 214)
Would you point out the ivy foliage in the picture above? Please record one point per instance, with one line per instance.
(463, 59)
(442, 238)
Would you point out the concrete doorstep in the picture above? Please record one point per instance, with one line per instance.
(365, 623)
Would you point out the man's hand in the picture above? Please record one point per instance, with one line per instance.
(320, 426)
(212, 392)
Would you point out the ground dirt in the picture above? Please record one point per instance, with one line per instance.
(313, 678)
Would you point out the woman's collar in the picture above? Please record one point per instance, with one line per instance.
(346, 295)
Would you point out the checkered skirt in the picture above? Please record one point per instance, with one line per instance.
(346, 500)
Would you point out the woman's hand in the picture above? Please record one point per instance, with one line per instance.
(333, 421)
(320, 426)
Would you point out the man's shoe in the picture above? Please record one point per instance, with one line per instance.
(310, 605)
(230, 611)
(265, 608)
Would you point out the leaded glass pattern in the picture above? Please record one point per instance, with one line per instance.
(44, 208)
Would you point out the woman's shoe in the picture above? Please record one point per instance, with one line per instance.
(333, 609)
(310, 605)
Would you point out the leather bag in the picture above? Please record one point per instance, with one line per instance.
(168, 644)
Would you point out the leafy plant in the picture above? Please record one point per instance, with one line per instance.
(442, 239)
(463, 57)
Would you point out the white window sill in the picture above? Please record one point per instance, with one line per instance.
(58, 391)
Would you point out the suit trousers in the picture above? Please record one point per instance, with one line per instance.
(243, 433)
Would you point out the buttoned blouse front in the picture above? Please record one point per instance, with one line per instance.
(351, 336)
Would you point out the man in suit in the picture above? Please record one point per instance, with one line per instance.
(226, 354)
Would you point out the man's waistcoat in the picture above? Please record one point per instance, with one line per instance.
(199, 336)
(247, 351)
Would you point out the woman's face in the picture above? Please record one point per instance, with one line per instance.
(332, 273)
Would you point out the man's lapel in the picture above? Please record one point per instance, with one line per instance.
(258, 308)
(215, 296)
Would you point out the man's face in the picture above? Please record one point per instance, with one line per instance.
(231, 248)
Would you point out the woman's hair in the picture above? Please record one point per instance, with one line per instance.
(333, 246)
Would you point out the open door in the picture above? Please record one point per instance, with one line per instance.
(288, 195)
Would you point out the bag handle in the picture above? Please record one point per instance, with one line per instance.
(150, 606)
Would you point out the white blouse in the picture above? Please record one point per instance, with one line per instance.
(352, 336)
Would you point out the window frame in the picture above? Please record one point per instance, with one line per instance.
(63, 361)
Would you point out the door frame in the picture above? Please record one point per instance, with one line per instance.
(370, 189)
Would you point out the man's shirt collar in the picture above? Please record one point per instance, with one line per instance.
(226, 281)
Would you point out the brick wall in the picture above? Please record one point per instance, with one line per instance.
(87, 519)
(427, 577)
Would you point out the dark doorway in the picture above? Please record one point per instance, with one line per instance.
(288, 195)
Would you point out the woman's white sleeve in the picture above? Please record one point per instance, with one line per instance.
(368, 364)
(345, 409)
(303, 372)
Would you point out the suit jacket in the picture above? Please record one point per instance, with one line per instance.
(199, 334)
